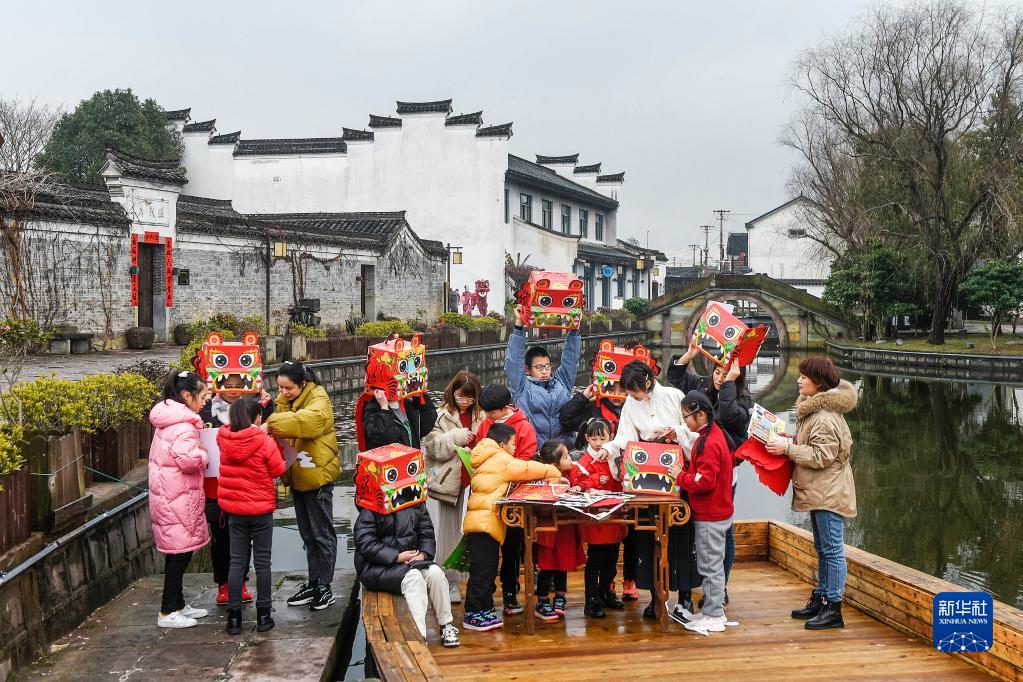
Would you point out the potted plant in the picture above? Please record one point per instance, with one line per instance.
(181, 334)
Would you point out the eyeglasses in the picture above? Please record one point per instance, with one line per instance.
(541, 368)
(464, 399)
(687, 415)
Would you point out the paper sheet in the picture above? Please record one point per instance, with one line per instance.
(208, 439)
(291, 456)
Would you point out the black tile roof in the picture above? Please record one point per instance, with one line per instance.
(535, 175)
(602, 253)
(465, 119)
(442, 106)
(384, 121)
(571, 158)
(738, 243)
(685, 272)
(364, 224)
(68, 203)
(592, 168)
(226, 138)
(434, 247)
(612, 177)
(169, 172)
(351, 134)
(200, 127)
(636, 248)
(178, 114)
(500, 130)
(283, 147)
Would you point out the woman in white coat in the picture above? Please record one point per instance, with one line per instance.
(458, 420)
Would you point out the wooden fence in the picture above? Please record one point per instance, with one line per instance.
(14, 509)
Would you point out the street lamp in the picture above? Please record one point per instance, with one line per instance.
(276, 247)
(454, 256)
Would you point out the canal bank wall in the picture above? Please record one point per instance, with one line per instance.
(928, 365)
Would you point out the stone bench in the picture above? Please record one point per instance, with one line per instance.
(65, 343)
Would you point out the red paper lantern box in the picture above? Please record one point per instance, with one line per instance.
(720, 336)
(398, 368)
(552, 300)
(218, 360)
(646, 468)
(608, 365)
(390, 478)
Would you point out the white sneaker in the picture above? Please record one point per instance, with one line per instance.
(705, 624)
(449, 635)
(175, 620)
(190, 612)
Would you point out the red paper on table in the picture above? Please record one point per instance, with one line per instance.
(774, 471)
(537, 491)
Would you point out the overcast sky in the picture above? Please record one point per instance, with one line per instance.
(688, 98)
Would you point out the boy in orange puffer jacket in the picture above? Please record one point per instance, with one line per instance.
(249, 462)
(494, 467)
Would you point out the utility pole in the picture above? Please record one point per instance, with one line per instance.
(721, 234)
(695, 248)
(706, 243)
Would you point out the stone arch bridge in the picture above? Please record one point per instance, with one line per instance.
(801, 320)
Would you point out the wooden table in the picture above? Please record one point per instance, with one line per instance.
(657, 513)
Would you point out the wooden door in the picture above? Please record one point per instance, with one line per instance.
(146, 252)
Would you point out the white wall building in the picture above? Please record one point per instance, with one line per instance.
(779, 247)
(452, 176)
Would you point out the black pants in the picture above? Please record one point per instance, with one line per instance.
(544, 580)
(314, 513)
(173, 573)
(484, 552)
(220, 541)
(511, 560)
(629, 557)
(255, 533)
(601, 569)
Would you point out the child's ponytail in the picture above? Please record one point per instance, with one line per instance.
(243, 413)
(181, 382)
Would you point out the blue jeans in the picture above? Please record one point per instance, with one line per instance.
(829, 541)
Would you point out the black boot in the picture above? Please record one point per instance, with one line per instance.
(829, 617)
(611, 601)
(593, 608)
(264, 621)
(234, 622)
(649, 612)
(812, 608)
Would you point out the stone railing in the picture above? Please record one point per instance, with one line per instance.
(925, 364)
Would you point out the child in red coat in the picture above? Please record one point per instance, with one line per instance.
(594, 472)
(558, 552)
(249, 462)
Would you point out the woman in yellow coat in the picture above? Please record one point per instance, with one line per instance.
(494, 467)
(304, 416)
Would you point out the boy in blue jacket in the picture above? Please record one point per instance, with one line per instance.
(537, 393)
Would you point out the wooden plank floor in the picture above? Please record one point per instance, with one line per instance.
(767, 645)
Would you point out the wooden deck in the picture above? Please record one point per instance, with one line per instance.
(887, 634)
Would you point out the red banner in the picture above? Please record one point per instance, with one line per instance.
(135, 270)
(168, 269)
(152, 237)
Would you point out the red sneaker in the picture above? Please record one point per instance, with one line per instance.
(246, 595)
(222, 595)
(629, 591)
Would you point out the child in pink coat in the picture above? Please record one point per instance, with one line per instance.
(176, 499)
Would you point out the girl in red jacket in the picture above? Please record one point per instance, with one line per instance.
(249, 462)
(558, 552)
(594, 472)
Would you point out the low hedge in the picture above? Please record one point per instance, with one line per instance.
(470, 323)
(385, 328)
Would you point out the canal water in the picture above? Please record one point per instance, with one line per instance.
(938, 468)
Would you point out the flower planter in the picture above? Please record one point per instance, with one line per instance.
(57, 485)
(14, 509)
(140, 338)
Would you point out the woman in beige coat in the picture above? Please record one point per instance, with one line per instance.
(822, 481)
(458, 420)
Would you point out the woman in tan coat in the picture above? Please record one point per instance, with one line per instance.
(458, 420)
(822, 481)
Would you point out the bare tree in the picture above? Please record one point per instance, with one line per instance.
(912, 133)
(25, 127)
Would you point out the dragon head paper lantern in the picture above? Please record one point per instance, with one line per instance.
(608, 365)
(646, 468)
(723, 337)
(398, 368)
(390, 478)
(552, 300)
(218, 360)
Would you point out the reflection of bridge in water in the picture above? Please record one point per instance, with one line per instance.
(800, 320)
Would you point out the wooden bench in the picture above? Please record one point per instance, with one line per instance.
(65, 343)
(395, 646)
